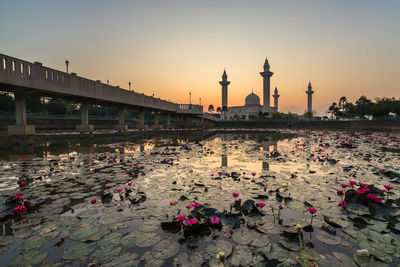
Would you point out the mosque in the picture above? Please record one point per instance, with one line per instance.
(252, 106)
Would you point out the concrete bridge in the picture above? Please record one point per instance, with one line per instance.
(25, 78)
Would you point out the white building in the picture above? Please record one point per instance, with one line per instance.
(252, 106)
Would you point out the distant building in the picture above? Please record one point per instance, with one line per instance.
(252, 106)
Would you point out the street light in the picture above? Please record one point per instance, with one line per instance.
(190, 100)
(129, 86)
(66, 63)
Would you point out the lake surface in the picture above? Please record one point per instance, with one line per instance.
(77, 215)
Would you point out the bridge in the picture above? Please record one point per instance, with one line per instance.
(26, 78)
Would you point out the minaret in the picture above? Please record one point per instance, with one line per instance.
(266, 74)
(309, 93)
(275, 95)
(224, 84)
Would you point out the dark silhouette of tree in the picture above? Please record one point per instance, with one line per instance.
(219, 109)
(211, 108)
(7, 103)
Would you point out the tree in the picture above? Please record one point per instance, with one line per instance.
(55, 106)
(6, 103)
(219, 109)
(34, 104)
(211, 108)
(224, 108)
(244, 117)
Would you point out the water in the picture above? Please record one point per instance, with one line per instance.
(294, 169)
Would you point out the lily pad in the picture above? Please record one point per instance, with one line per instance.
(165, 249)
(78, 250)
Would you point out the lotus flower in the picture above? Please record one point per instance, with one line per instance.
(191, 222)
(118, 190)
(253, 173)
(93, 201)
(381, 170)
(339, 192)
(261, 204)
(23, 183)
(196, 204)
(235, 195)
(388, 187)
(360, 191)
(244, 173)
(181, 218)
(343, 204)
(214, 220)
(189, 207)
(20, 209)
(18, 195)
(378, 200)
(219, 173)
(312, 210)
(372, 196)
(126, 188)
(344, 185)
(280, 207)
(108, 186)
(129, 183)
(362, 185)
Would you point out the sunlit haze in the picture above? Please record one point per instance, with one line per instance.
(171, 48)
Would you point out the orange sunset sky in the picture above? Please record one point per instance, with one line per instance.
(171, 48)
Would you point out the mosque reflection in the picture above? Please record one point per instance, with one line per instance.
(268, 144)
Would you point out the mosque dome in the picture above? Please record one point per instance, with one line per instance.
(252, 100)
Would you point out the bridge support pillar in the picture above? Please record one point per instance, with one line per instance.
(121, 126)
(85, 126)
(21, 130)
(156, 120)
(141, 120)
(169, 126)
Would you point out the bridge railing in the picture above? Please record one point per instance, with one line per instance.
(70, 83)
(192, 109)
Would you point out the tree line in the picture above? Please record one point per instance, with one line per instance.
(363, 106)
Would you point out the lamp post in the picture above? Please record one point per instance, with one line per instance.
(200, 101)
(66, 64)
(190, 100)
(129, 86)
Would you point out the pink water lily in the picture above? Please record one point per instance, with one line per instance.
(344, 185)
(253, 173)
(18, 195)
(196, 204)
(360, 191)
(312, 210)
(214, 220)
(219, 173)
(93, 201)
(118, 190)
(339, 192)
(20, 209)
(126, 188)
(235, 195)
(381, 170)
(244, 173)
(362, 185)
(181, 218)
(189, 207)
(23, 183)
(129, 183)
(388, 187)
(191, 222)
(352, 182)
(372, 196)
(343, 204)
(280, 207)
(108, 186)
(261, 204)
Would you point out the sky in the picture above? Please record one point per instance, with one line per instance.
(170, 48)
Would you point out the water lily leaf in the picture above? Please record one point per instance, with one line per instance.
(88, 233)
(150, 261)
(87, 214)
(28, 259)
(328, 238)
(165, 249)
(78, 250)
(241, 256)
(357, 209)
(112, 239)
(278, 253)
(105, 254)
(224, 246)
(109, 218)
(125, 260)
(183, 260)
(242, 237)
(310, 254)
(146, 239)
(34, 242)
(129, 240)
(150, 226)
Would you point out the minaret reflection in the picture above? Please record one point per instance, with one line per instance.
(224, 156)
(268, 146)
